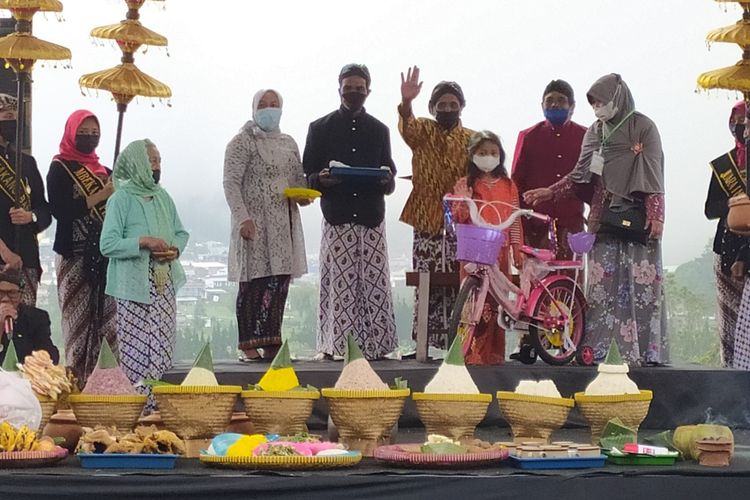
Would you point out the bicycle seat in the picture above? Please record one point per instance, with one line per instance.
(543, 254)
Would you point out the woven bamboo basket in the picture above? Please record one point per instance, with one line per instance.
(283, 462)
(533, 417)
(598, 410)
(453, 415)
(364, 417)
(279, 412)
(121, 411)
(196, 412)
(49, 407)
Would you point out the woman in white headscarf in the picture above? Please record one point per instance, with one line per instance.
(267, 247)
(622, 159)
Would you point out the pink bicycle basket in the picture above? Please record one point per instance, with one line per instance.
(478, 244)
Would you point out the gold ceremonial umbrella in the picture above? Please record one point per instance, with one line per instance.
(21, 50)
(126, 81)
(735, 77)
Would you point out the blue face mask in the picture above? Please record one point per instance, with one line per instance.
(556, 116)
(268, 118)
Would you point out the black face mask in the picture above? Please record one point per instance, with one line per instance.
(8, 130)
(354, 100)
(447, 119)
(86, 144)
(157, 175)
(739, 132)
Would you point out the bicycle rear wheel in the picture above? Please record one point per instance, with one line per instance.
(563, 302)
(461, 324)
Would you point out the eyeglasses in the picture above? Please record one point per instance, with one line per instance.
(11, 294)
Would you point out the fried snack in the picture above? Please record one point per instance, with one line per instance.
(45, 377)
(96, 440)
(163, 442)
(144, 439)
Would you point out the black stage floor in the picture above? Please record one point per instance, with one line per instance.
(682, 395)
(370, 479)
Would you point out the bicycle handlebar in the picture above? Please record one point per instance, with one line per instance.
(477, 219)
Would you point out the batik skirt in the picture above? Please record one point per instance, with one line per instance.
(432, 253)
(30, 278)
(728, 294)
(88, 316)
(355, 291)
(260, 311)
(146, 334)
(626, 301)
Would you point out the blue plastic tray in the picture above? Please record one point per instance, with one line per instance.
(126, 461)
(359, 172)
(557, 463)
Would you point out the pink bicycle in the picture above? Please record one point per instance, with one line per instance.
(548, 299)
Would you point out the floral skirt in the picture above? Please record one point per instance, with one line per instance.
(260, 311)
(626, 301)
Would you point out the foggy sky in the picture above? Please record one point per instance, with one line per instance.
(503, 53)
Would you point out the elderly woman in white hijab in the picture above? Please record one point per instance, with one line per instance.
(622, 159)
(267, 247)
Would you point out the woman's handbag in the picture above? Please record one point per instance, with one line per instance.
(738, 219)
(628, 224)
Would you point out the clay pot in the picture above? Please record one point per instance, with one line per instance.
(63, 424)
(738, 219)
(152, 419)
(240, 424)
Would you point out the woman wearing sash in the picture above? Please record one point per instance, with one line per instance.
(20, 225)
(267, 246)
(621, 156)
(78, 187)
(142, 237)
(728, 178)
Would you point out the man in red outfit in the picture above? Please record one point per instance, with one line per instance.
(544, 154)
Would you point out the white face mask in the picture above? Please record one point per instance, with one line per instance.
(606, 112)
(609, 110)
(486, 163)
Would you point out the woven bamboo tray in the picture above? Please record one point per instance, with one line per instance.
(23, 459)
(395, 455)
(196, 412)
(453, 415)
(49, 407)
(283, 463)
(598, 410)
(363, 417)
(533, 417)
(121, 411)
(279, 412)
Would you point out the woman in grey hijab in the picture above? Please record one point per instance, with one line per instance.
(267, 246)
(622, 159)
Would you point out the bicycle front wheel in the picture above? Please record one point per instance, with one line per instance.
(559, 311)
(461, 323)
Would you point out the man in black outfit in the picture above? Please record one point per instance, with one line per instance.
(28, 326)
(33, 215)
(355, 288)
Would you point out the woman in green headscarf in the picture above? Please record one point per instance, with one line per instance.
(142, 236)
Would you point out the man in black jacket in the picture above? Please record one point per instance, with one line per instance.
(355, 287)
(28, 326)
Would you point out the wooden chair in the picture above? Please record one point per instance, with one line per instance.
(425, 281)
